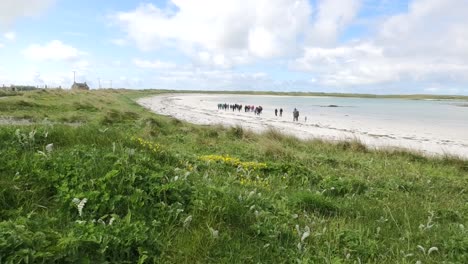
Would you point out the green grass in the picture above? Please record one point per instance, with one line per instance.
(354, 95)
(152, 199)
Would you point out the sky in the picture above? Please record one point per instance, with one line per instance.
(348, 46)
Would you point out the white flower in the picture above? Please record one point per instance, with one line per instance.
(422, 249)
(187, 221)
(131, 152)
(42, 153)
(214, 233)
(79, 204)
(432, 249)
(49, 147)
(429, 251)
(306, 234)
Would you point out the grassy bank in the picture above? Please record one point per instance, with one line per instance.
(122, 185)
(351, 95)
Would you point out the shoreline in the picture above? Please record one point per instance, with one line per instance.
(188, 107)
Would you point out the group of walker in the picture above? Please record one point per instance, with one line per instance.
(257, 110)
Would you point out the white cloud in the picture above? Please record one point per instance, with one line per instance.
(53, 51)
(430, 27)
(127, 82)
(11, 36)
(1, 45)
(10, 10)
(229, 31)
(119, 42)
(157, 64)
(332, 19)
(213, 79)
(81, 65)
(367, 64)
(428, 44)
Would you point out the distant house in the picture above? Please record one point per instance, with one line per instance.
(80, 86)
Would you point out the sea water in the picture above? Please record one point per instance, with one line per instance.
(446, 117)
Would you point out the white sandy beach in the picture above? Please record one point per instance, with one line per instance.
(437, 141)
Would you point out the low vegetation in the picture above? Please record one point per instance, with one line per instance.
(354, 95)
(105, 181)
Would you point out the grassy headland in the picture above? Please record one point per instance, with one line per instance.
(123, 185)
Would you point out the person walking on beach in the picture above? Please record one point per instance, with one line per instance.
(281, 112)
(295, 115)
(276, 112)
(305, 119)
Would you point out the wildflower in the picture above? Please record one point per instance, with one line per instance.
(49, 147)
(233, 161)
(306, 234)
(422, 249)
(148, 145)
(42, 153)
(432, 249)
(80, 204)
(187, 221)
(214, 233)
(429, 223)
